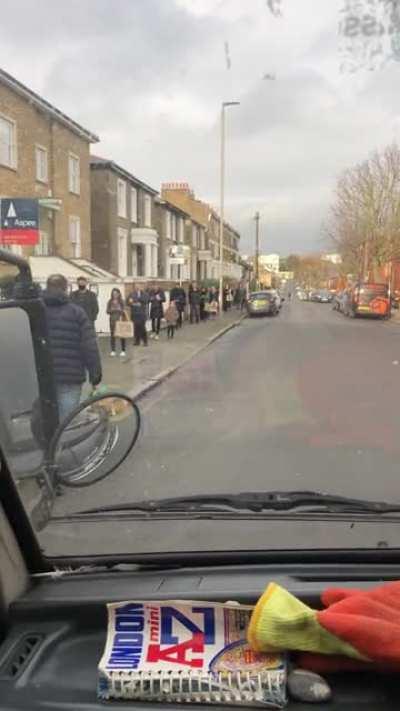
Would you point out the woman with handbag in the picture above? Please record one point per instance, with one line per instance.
(115, 310)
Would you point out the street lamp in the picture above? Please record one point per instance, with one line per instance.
(257, 253)
(224, 105)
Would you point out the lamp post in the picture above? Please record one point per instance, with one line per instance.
(257, 253)
(225, 104)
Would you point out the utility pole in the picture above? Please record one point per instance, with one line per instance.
(257, 256)
(365, 261)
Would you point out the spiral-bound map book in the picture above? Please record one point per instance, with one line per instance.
(189, 652)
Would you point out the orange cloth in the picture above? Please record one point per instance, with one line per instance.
(367, 620)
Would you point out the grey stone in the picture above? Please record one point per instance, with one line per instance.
(307, 686)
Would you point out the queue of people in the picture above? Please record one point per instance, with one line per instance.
(128, 316)
(71, 323)
(199, 303)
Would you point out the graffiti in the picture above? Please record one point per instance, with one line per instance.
(369, 34)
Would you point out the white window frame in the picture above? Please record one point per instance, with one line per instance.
(194, 236)
(168, 224)
(12, 162)
(42, 249)
(202, 238)
(121, 198)
(74, 177)
(75, 236)
(181, 230)
(134, 204)
(147, 210)
(41, 150)
(123, 233)
(174, 234)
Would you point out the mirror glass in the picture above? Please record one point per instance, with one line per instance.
(19, 393)
(94, 440)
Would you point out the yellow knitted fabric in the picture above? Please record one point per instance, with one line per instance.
(282, 622)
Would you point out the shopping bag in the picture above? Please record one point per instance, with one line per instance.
(124, 329)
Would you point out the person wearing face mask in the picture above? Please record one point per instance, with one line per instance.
(86, 299)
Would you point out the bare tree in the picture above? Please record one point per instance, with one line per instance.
(364, 220)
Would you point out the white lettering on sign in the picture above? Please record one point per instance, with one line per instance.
(11, 211)
(25, 223)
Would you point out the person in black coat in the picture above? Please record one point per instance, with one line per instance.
(178, 295)
(73, 345)
(203, 302)
(116, 311)
(86, 299)
(140, 296)
(194, 301)
(139, 322)
(157, 299)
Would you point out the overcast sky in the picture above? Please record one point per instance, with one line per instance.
(148, 76)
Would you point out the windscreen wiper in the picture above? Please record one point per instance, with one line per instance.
(253, 501)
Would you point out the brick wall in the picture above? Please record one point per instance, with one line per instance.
(36, 127)
(105, 218)
(64, 143)
(101, 199)
(163, 243)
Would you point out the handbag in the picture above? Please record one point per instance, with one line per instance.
(124, 327)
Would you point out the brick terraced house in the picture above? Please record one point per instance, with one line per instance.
(45, 154)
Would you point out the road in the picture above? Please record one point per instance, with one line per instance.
(307, 400)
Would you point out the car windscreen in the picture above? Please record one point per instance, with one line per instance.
(183, 160)
(370, 291)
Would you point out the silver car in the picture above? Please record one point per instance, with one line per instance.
(263, 303)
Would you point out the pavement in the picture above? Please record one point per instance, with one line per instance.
(306, 400)
(144, 367)
(395, 317)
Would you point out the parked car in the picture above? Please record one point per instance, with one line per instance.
(279, 299)
(337, 301)
(313, 295)
(342, 302)
(263, 303)
(368, 299)
(323, 296)
(395, 298)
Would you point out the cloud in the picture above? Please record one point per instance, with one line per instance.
(149, 76)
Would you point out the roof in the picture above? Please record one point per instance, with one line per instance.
(171, 206)
(97, 163)
(43, 267)
(45, 106)
(213, 213)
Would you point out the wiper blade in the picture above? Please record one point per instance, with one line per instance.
(253, 501)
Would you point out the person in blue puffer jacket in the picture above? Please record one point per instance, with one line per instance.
(73, 345)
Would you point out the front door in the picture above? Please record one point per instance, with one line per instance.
(134, 261)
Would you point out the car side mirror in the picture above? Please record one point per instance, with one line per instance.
(93, 440)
